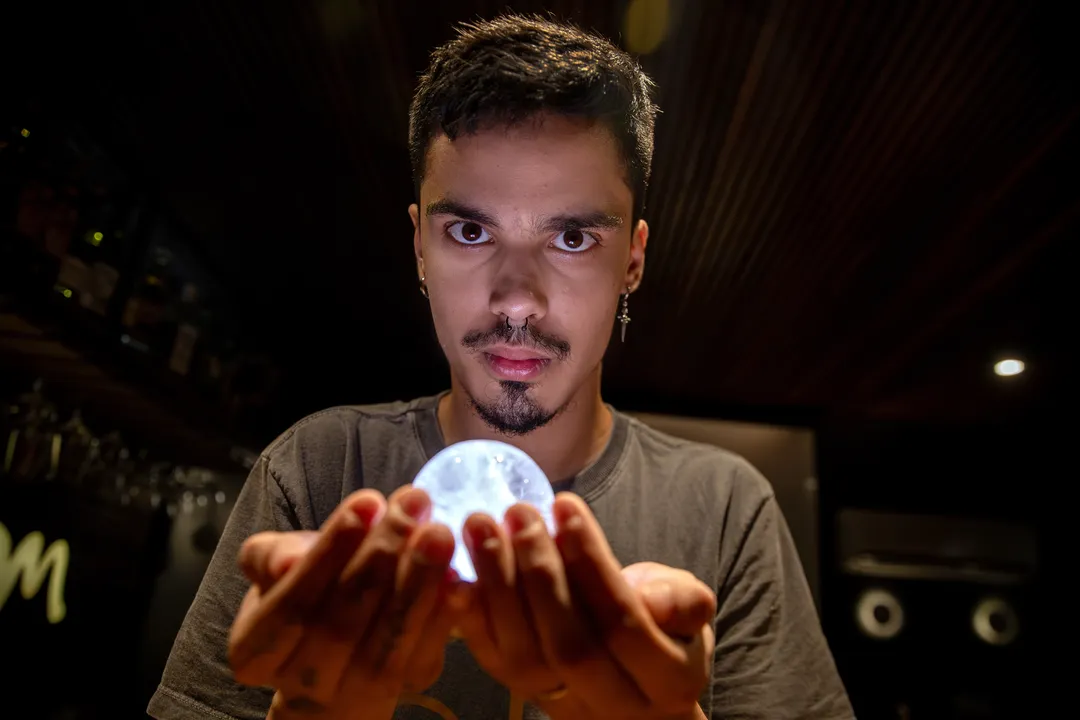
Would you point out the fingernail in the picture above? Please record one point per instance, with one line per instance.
(519, 520)
(485, 528)
(350, 520)
(346, 531)
(486, 538)
(569, 538)
(478, 534)
(415, 503)
(365, 512)
(572, 524)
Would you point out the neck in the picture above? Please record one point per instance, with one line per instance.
(564, 447)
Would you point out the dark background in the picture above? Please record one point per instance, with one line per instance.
(856, 209)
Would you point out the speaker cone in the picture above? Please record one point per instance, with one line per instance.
(879, 614)
(994, 621)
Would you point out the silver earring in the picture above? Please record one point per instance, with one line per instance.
(423, 287)
(624, 314)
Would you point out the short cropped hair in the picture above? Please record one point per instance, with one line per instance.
(515, 68)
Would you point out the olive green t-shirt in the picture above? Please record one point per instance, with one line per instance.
(658, 498)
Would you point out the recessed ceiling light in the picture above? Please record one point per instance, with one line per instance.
(1008, 367)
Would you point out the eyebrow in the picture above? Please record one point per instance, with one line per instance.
(555, 223)
(591, 220)
(465, 212)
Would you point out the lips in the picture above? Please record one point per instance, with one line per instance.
(525, 366)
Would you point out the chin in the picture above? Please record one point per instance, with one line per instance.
(511, 408)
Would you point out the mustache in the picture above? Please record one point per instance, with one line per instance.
(525, 337)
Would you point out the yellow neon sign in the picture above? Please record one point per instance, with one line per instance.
(33, 562)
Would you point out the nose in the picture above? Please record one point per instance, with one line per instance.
(518, 296)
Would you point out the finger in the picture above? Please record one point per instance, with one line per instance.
(295, 707)
(500, 603)
(678, 601)
(428, 654)
(654, 661)
(260, 639)
(265, 557)
(641, 572)
(571, 646)
(256, 654)
(397, 628)
(594, 571)
(369, 576)
(700, 654)
(475, 627)
(320, 659)
(680, 606)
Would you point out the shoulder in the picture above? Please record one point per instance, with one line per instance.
(697, 461)
(328, 448)
(333, 426)
(711, 479)
(684, 503)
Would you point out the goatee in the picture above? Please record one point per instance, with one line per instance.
(514, 413)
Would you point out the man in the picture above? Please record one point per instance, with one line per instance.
(671, 588)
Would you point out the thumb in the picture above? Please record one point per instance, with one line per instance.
(680, 609)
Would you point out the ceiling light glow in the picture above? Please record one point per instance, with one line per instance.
(1009, 367)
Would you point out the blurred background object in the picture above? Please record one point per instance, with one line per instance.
(102, 546)
(860, 217)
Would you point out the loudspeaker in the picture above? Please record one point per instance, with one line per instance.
(879, 614)
(934, 615)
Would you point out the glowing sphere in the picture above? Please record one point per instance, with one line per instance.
(481, 476)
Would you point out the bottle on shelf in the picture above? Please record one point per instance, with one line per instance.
(32, 447)
(146, 314)
(190, 319)
(78, 447)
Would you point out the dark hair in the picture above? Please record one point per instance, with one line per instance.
(514, 68)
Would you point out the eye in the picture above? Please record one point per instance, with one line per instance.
(469, 233)
(574, 241)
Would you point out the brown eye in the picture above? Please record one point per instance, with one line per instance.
(574, 241)
(471, 231)
(468, 233)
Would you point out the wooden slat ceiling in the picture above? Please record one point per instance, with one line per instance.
(855, 206)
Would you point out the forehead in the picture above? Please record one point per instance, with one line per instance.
(553, 161)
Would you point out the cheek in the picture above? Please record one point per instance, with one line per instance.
(587, 314)
(452, 309)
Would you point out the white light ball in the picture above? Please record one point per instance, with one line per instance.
(481, 476)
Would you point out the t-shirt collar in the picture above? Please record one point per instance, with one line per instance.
(586, 483)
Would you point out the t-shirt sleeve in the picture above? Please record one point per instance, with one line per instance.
(198, 682)
(772, 660)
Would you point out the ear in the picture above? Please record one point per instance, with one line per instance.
(635, 268)
(418, 250)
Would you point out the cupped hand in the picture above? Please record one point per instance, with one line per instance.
(343, 620)
(559, 621)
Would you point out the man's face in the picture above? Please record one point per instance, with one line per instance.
(524, 237)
